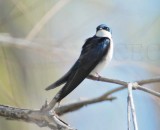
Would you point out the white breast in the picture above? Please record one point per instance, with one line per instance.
(106, 59)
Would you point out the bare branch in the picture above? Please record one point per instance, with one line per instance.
(120, 82)
(41, 118)
(47, 118)
(108, 80)
(128, 113)
(75, 106)
(132, 106)
(125, 84)
(157, 94)
(148, 81)
(44, 117)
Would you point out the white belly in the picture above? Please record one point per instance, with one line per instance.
(106, 59)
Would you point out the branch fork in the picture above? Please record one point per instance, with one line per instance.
(135, 85)
(49, 117)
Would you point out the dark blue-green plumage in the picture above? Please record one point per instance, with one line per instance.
(96, 52)
(94, 49)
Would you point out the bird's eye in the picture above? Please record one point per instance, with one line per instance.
(108, 29)
(105, 28)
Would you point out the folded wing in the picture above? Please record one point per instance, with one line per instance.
(92, 53)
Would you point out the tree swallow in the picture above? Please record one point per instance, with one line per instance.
(96, 52)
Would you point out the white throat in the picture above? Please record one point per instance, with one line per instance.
(103, 33)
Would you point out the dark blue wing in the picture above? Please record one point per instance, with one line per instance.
(73, 69)
(92, 53)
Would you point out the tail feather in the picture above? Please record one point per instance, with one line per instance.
(74, 80)
(59, 82)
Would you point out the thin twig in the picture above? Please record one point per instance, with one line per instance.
(128, 113)
(132, 106)
(157, 94)
(125, 84)
(108, 80)
(148, 81)
(120, 82)
(77, 105)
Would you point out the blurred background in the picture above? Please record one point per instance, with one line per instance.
(41, 39)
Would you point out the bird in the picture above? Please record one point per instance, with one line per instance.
(96, 53)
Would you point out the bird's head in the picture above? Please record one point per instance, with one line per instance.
(103, 31)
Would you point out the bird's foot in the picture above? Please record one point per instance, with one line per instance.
(98, 76)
